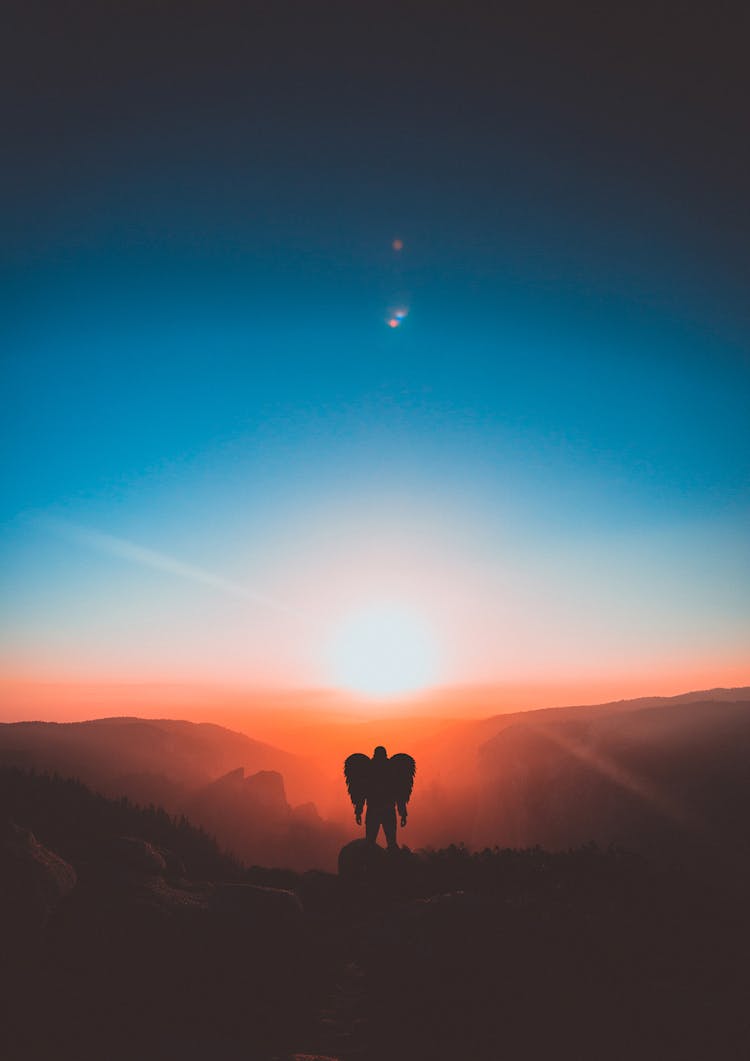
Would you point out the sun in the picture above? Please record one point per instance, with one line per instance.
(383, 650)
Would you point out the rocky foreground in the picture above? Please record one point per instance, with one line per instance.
(114, 948)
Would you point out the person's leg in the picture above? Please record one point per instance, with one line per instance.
(372, 824)
(389, 826)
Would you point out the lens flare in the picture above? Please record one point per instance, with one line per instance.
(396, 317)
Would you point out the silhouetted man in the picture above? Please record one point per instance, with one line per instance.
(383, 784)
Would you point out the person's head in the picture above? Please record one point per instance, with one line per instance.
(380, 753)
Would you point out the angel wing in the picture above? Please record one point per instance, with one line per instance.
(357, 774)
(403, 769)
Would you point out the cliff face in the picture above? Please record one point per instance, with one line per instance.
(252, 818)
(265, 790)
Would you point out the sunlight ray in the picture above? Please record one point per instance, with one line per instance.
(158, 561)
(627, 779)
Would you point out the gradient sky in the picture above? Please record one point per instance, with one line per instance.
(214, 448)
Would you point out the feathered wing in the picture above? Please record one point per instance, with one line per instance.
(403, 769)
(357, 774)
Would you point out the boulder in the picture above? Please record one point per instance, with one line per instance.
(33, 881)
(362, 862)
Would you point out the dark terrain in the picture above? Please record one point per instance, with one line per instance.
(128, 934)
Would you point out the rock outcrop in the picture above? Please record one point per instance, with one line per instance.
(33, 881)
(137, 855)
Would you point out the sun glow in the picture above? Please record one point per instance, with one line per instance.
(383, 650)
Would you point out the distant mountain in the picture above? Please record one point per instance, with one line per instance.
(456, 741)
(460, 768)
(642, 774)
(556, 776)
(192, 768)
(147, 751)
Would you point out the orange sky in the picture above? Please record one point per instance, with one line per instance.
(286, 717)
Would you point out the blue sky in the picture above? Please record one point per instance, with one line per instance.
(196, 359)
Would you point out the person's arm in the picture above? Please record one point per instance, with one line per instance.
(359, 807)
(402, 811)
